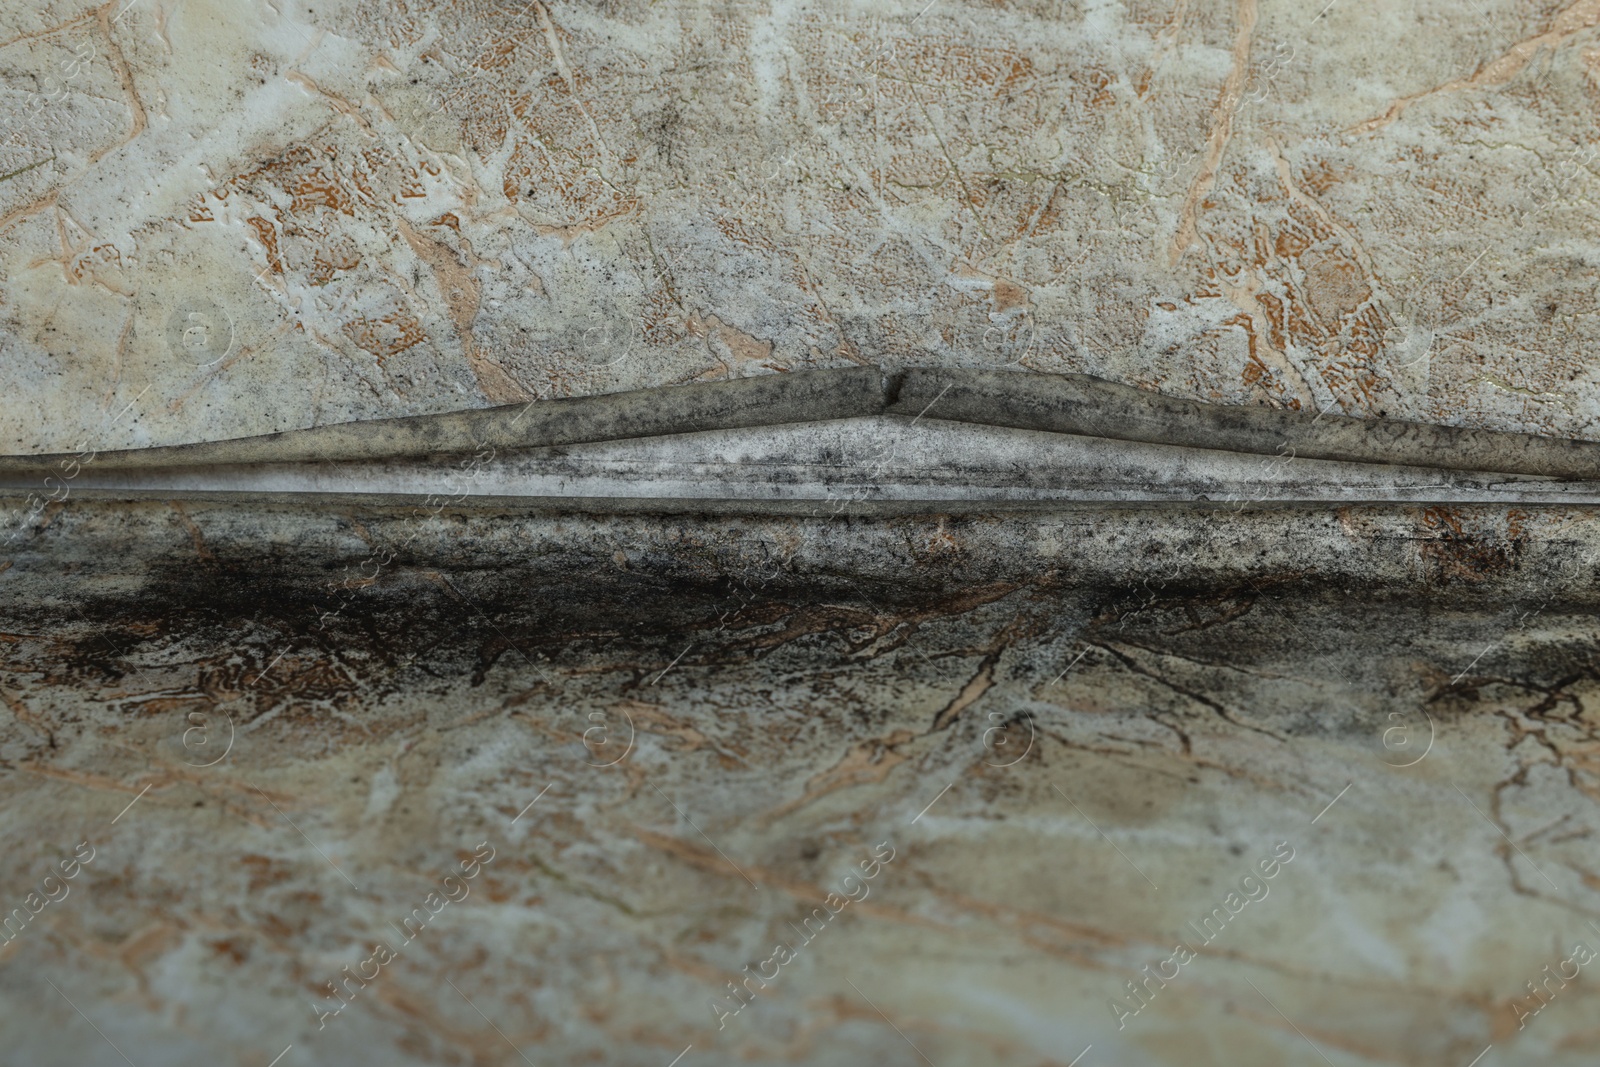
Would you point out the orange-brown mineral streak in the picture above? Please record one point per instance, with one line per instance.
(1221, 129)
(1571, 20)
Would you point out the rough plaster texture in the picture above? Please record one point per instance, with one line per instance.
(268, 215)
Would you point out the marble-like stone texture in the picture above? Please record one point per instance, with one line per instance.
(1077, 731)
(255, 215)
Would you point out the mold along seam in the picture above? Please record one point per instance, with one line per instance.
(1056, 403)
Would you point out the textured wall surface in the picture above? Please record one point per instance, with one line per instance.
(264, 215)
(606, 764)
(1078, 733)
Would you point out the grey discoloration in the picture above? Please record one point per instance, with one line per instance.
(870, 465)
(1199, 688)
(761, 401)
(1055, 403)
(1080, 404)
